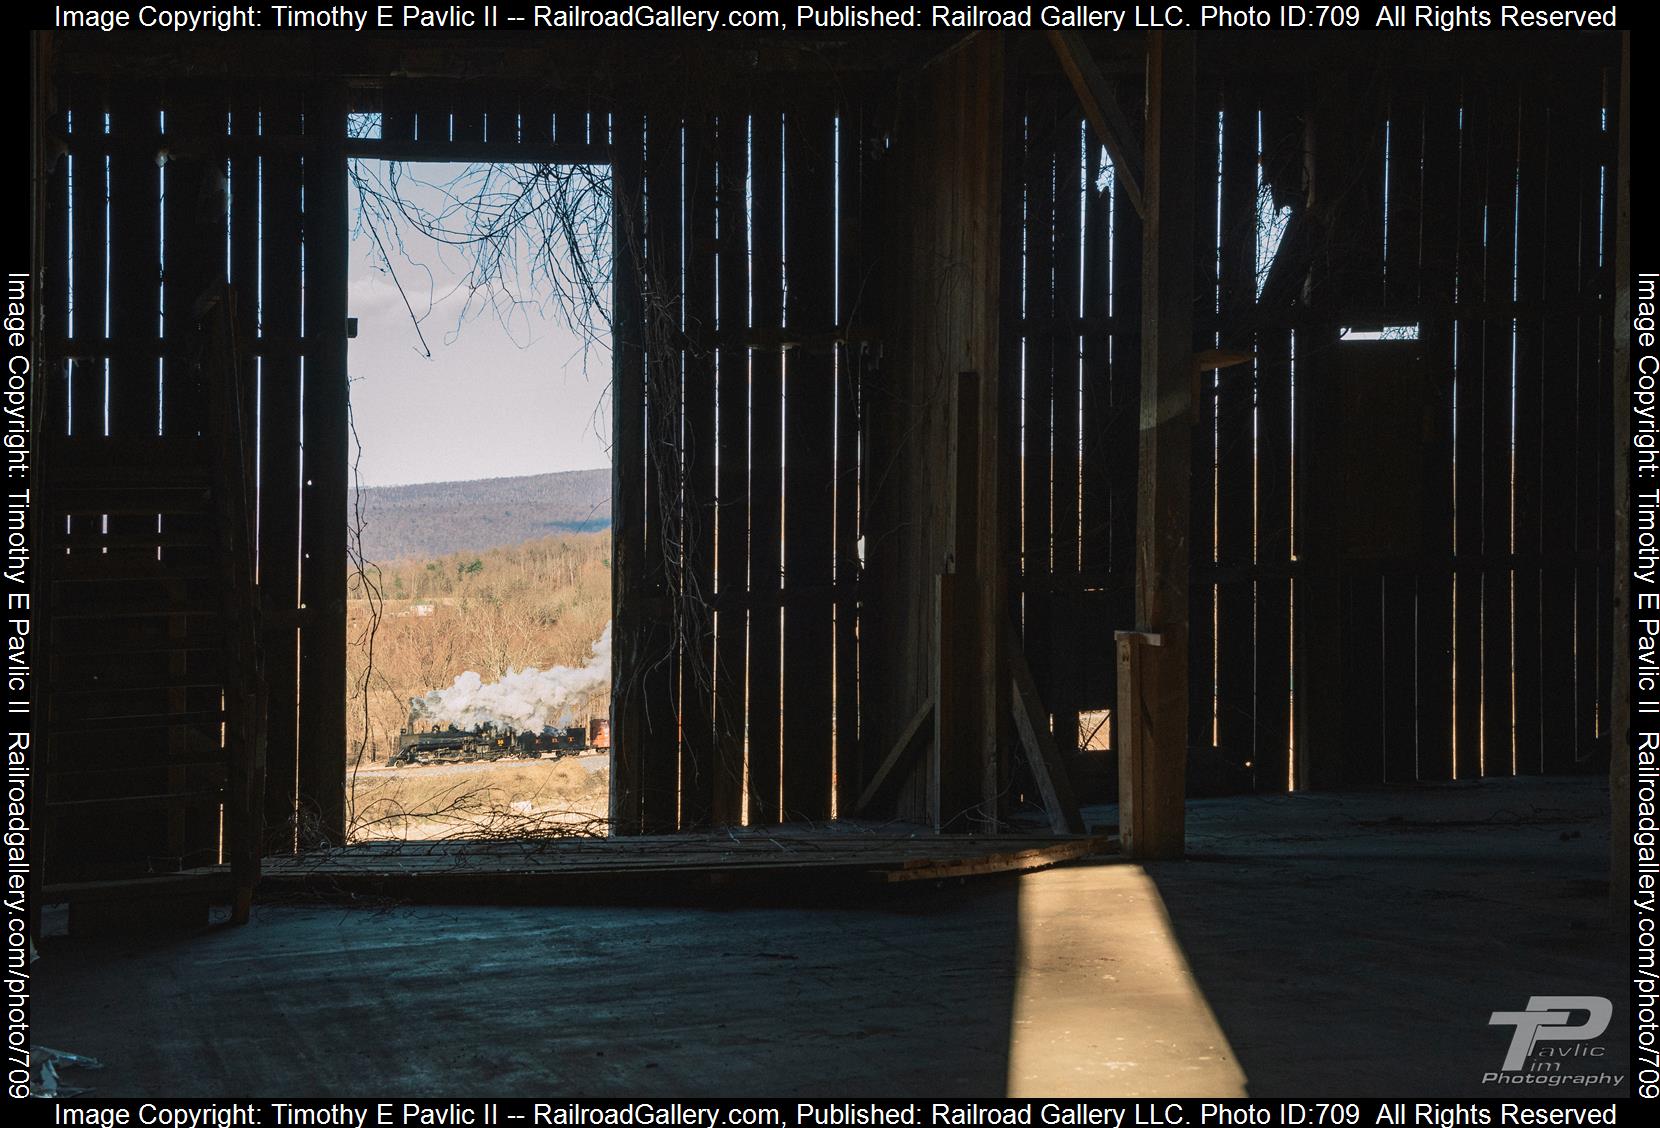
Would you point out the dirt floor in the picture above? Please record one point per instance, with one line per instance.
(500, 798)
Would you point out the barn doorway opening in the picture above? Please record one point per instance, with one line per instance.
(479, 544)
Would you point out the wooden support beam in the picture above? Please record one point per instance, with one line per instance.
(968, 669)
(897, 756)
(766, 479)
(1153, 680)
(627, 480)
(663, 309)
(1104, 114)
(732, 484)
(276, 238)
(1042, 757)
(809, 462)
(322, 720)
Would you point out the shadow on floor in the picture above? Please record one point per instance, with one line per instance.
(910, 998)
(1357, 945)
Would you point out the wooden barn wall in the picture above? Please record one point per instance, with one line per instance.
(934, 578)
(745, 291)
(163, 191)
(824, 290)
(1075, 373)
(1401, 547)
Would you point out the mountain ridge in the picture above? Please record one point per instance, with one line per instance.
(429, 519)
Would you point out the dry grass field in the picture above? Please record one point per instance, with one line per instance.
(502, 798)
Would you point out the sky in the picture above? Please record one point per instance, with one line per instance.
(492, 400)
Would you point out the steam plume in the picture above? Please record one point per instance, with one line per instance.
(525, 699)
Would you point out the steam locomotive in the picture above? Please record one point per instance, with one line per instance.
(454, 745)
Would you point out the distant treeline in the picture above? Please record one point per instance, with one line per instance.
(539, 603)
(437, 518)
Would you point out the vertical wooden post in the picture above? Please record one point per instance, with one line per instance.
(1327, 678)
(627, 477)
(732, 486)
(809, 462)
(766, 478)
(697, 589)
(277, 241)
(991, 592)
(952, 768)
(661, 564)
(322, 767)
(1153, 693)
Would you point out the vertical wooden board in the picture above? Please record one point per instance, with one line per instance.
(1012, 339)
(660, 750)
(89, 188)
(1122, 422)
(1532, 149)
(1153, 769)
(1095, 497)
(53, 386)
(1097, 668)
(501, 116)
(1066, 640)
(535, 118)
(432, 114)
(322, 724)
(193, 226)
(1403, 266)
(279, 454)
(397, 114)
(1438, 266)
(244, 189)
(1364, 186)
(1399, 713)
(1270, 764)
(629, 595)
(1557, 457)
(1603, 720)
(54, 274)
(855, 192)
(466, 104)
(1360, 275)
(571, 123)
(766, 482)
(732, 486)
(1496, 424)
(1326, 761)
(1592, 421)
(134, 263)
(1038, 395)
(697, 752)
(53, 271)
(979, 239)
(1211, 777)
(1467, 454)
(809, 461)
(1405, 214)
(1363, 642)
(1005, 146)
(1236, 436)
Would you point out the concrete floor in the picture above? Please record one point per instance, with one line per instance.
(1312, 945)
